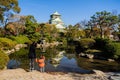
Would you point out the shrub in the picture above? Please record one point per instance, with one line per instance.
(35, 37)
(20, 39)
(83, 45)
(114, 49)
(87, 43)
(3, 59)
(50, 39)
(1, 45)
(22, 53)
(118, 35)
(64, 43)
(109, 49)
(7, 43)
(101, 43)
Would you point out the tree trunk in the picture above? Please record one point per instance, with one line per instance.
(101, 32)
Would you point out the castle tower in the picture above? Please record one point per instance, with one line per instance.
(55, 18)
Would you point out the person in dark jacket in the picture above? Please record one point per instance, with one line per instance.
(32, 55)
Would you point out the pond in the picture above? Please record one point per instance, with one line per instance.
(62, 60)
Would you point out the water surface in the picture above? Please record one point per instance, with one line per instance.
(69, 62)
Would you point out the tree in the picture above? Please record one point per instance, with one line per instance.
(88, 29)
(95, 32)
(83, 24)
(118, 34)
(7, 7)
(119, 22)
(48, 31)
(74, 32)
(16, 25)
(87, 33)
(31, 28)
(2, 32)
(14, 28)
(79, 31)
(103, 20)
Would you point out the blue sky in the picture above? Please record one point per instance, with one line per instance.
(72, 11)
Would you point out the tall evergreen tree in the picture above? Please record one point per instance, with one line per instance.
(103, 20)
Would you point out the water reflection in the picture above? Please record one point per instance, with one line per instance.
(12, 64)
(66, 65)
(102, 65)
(60, 60)
(56, 60)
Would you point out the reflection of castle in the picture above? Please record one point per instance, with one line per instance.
(55, 18)
(56, 60)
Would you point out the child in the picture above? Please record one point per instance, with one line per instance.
(41, 63)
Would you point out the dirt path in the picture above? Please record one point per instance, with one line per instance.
(21, 74)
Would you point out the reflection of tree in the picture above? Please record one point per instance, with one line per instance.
(84, 63)
(20, 56)
(70, 51)
(97, 64)
(69, 56)
(50, 53)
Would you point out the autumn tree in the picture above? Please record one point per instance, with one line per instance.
(16, 25)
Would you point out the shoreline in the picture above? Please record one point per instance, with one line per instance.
(21, 74)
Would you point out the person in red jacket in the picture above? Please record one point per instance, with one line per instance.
(41, 63)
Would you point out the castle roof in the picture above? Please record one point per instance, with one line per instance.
(56, 13)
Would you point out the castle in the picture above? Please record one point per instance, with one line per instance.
(55, 18)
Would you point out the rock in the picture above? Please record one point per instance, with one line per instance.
(24, 45)
(111, 60)
(82, 54)
(7, 52)
(114, 76)
(90, 56)
(99, 73)
(17, 48)
(12, 50)
(38, 45)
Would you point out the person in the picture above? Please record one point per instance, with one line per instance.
(41, 63)
(32, 55)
